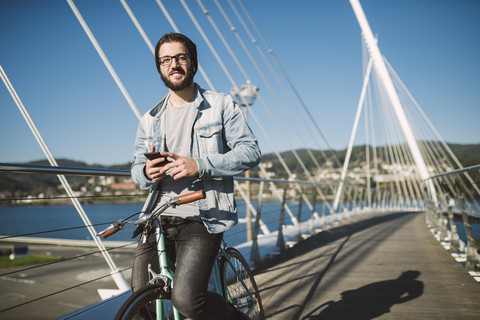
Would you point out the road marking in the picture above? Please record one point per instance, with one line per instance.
(70, 305)
(17, 280)
(13, 296)
(99, 274)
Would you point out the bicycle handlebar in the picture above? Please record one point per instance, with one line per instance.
(189, 197)
(178, 200)
(112, 229)
(109, 232)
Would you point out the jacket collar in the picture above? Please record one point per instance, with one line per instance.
(160, 106)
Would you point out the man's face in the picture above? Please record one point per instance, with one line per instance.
(177, 75)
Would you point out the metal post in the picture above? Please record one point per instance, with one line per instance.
(472, 254)
(442, 221)
(348, 211)
(312, 216)
(384, 198)
(355, 193)
(248, 211)
(299, 214)
(255, 251)
(454, 239)
(324, 206)
(367, 204)
(280, 240)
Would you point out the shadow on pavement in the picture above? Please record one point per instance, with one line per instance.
(371, 301)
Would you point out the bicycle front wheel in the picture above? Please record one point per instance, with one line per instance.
(147, 303)
(239, 286)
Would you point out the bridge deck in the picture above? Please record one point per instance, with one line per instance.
(383, 267)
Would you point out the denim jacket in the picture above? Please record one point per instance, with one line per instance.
(223, 145)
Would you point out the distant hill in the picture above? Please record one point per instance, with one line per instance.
(22, 184)
(14, 184)
(467, 154)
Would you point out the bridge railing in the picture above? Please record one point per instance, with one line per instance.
(455, 206)
(305, 206)
(299, 202)
(283, 212)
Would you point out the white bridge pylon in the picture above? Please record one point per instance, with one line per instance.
(380, 68)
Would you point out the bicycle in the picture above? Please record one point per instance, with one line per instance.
(232, 276)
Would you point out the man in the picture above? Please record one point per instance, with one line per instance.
(205, 141)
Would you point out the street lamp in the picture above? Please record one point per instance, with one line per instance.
(245, 97)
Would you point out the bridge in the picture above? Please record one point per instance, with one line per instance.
(358, 263)
(392, 235)
(380, 266)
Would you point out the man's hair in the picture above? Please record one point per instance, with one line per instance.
(178, 37)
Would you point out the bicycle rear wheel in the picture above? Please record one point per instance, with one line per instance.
(239, 286)
(146, 304)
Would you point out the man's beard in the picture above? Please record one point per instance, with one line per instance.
(182, 85)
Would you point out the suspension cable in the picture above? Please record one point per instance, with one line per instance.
(54, 163)
(288, 79)
(194, 20)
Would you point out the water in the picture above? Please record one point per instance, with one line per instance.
(36, 221)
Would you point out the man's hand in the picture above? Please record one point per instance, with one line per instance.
(181, 166)
(153, 169)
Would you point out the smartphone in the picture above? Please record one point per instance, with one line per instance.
(155, 155)
(152, 155)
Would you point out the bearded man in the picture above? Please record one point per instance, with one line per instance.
(204, 141)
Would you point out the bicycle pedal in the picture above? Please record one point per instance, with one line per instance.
(244, 303)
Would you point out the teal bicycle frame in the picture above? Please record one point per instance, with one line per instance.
(167, 276)
(166, 273)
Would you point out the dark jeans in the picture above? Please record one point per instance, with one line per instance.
(193, 250)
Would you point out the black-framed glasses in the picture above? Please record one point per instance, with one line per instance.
(181, 58)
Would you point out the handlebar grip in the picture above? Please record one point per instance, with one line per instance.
(190, 197)
(108, 233)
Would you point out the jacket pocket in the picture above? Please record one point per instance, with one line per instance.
(218, 196)
(210, 138)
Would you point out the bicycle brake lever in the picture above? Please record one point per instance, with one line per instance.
(113, 228)
(143, 219)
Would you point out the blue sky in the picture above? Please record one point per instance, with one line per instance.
(434, 46)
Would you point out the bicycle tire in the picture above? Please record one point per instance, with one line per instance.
(142, 304)
(234, 291)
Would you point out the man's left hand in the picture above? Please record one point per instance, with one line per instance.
(181, 166)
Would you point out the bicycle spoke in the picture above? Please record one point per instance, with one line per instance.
(239, 285)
